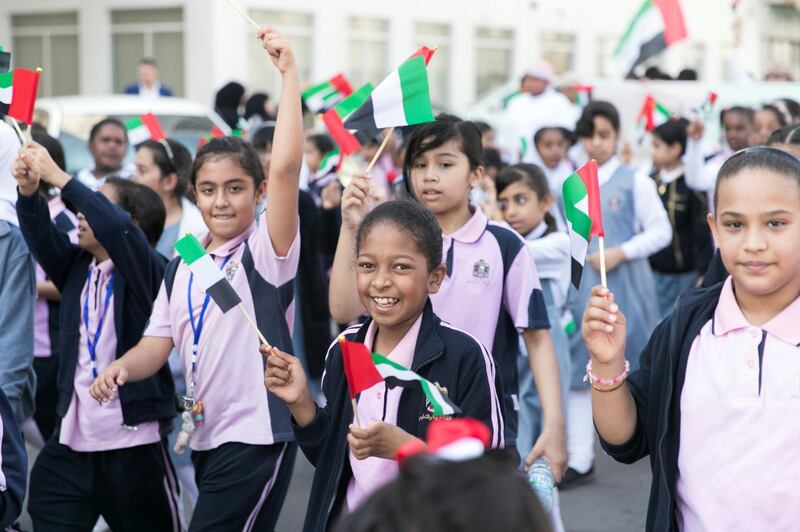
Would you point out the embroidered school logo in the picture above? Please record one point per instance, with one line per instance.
(480, 270)
(614, 204)
(428, 415)
(230, 270)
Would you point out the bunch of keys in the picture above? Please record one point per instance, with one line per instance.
(191, 418)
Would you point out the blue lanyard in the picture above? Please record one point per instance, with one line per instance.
(197, 328)
(91, 343)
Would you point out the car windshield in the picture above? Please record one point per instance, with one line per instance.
(75, 135)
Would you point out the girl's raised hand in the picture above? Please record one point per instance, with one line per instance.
(105, 385)
(277, 46)
(355, 200)
(284, 377)
(604, 329)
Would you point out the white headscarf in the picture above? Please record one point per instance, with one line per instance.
(9, 150)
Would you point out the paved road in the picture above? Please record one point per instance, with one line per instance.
(616, 501)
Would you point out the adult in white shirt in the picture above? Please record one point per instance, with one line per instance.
(108, 144)
(538, 104)
(148, 85)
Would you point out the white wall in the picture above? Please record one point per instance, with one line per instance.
(215, 36)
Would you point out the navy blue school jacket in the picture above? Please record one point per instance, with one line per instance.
(13, 465)
(656, 388)
(139, 269)
(444, 355)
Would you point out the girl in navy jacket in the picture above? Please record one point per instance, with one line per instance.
(399, 263)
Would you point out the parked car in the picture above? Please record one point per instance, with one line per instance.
(70, 118)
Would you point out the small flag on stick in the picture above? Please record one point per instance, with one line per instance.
(653, 114)
(325, 95)
(656, 25)
(581, 192)
(206, 273)
(144, 128)
(333, 119)
(402, 99)
(396, 375)
(18, 90)
(359, 370)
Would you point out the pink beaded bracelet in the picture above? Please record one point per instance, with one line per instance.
(596, 381)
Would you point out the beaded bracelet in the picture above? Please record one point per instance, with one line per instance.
(615, 381)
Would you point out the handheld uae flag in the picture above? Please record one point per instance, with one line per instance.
(144, 128)
(206, 273)
(581, 192)
(583, 95)
(18, 90)
(327, 169)
(359, 370)
(707, 107)
(653, 114)
(5, 61)
(402, 99)
(656, 25)
(333, 118)
(396, 375)
(325, 95)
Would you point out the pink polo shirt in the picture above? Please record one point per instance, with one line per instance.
(372, 473)
(230, 368)
(88, 426)
(739, 458)
(42, 347)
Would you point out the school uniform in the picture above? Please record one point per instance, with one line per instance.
(492, 291)
(717, 401)
(45, 331)
(678, 266)
(13, 465)
(701, 171)
(450, 358)
(243, 452)
(105, 459)
(551, 254)
(555, 180)
(635, 220)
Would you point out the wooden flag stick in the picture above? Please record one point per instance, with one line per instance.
(253, 325)
(22, 137)
(380, 149)
(601, 243)
(244, 14)
(355, 413)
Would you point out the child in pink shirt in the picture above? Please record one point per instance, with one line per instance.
(399, 255)
(715, 404)
(243, 452)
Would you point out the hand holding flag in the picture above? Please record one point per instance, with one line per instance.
(378, 439)
(277, 46)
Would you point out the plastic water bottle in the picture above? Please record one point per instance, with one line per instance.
(541, 479)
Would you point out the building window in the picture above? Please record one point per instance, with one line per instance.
(368, 50)
(605, 56)
(298, 27)
(156, 33)
(49, 41)
(438, 35)
(493, 59)
(559, 50)
(782, 43)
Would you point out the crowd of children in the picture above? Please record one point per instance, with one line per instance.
(446, 259)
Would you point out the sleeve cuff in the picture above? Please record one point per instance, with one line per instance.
(313, 434)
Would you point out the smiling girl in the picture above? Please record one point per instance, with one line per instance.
(490, 289)
(715, 404)
(243, 452)
(399, 265)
